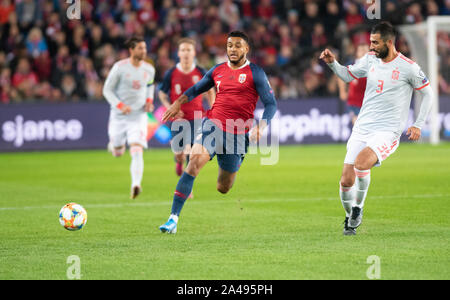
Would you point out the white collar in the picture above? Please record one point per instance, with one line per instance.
(190, 70)
(243, 66)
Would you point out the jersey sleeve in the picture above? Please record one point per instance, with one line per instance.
(265, 93)
(202, 71)
(109, 87)
(202, 86)
(150, 93)
(418, 79)
(359, 68)
(351, 72)
(167, 80)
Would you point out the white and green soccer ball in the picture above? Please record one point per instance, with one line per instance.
(72, 216)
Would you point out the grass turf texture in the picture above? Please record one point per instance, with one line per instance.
(278, 222)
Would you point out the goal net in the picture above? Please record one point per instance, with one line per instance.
(429, 46)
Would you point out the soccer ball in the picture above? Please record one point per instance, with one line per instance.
(72, 216)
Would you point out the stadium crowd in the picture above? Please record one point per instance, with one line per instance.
(45, 56)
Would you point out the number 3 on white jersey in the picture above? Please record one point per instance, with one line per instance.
(380, 86)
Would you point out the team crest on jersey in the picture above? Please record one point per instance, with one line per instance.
(136, 84)
(242, 78)
(195, 78)
(395, 74)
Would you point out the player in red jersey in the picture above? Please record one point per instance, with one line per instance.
(176, 81)
(225, 130)
(356, 88)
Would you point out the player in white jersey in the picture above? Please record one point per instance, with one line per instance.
(391, 79)
(129, 89)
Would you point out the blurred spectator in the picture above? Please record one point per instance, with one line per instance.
(24, 80)
(6, 8)
(28, 14)
(265, 10)
(414, 13)
(35, 43)
(70, 89)
(47, 57)
(353, 17)
(5, 86)
(445, 8)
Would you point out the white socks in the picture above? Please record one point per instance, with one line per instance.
(355, 195)
(362, 186)
(137, 165)
(347, 195)
(174, 217)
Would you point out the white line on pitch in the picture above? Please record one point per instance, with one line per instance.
(270, 200)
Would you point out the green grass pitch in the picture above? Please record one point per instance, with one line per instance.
(278, 222)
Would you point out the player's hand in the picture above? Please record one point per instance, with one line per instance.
(256, 133)
(414, 133)
(179, 115)
(125, 109)
(172, 111)
(327, 56)
(149, 107)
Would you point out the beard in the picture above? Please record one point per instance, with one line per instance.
(236, 61)
(383, 53)
(138, 56)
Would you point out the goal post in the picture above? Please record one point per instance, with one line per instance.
(422, 40)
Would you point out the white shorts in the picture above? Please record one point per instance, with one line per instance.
(382, 143)
(130, 129)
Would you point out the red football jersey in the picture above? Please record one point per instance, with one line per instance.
(176, 82)
(356, 92)
(237, 91)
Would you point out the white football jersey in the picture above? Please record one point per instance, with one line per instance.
(129, 84)
(388, 92)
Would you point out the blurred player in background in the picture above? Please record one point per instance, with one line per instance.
(391, 79)
(129, 89)
(225, 128)
(356, 88)
(176, 81)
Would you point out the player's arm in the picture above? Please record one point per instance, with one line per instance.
(343, 92)
(421, 84)
(164, 88)
(149, 107)
(267, 97)
(164, 99)
(206, 83)
(111, 82)
(348, 73)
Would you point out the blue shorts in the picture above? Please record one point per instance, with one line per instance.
(183, 133)
(230, 148)
(353, 109)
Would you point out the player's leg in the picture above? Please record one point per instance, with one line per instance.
(182, 136)
(180, 159)
(379, 147)
(364, 162)
(346, 188)
(201, 152)
(116, 151)
(198, 158)
(225, 180)
(117, 137)
(235, 147)
(136, 169)
(137, 133)
(347, 182)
